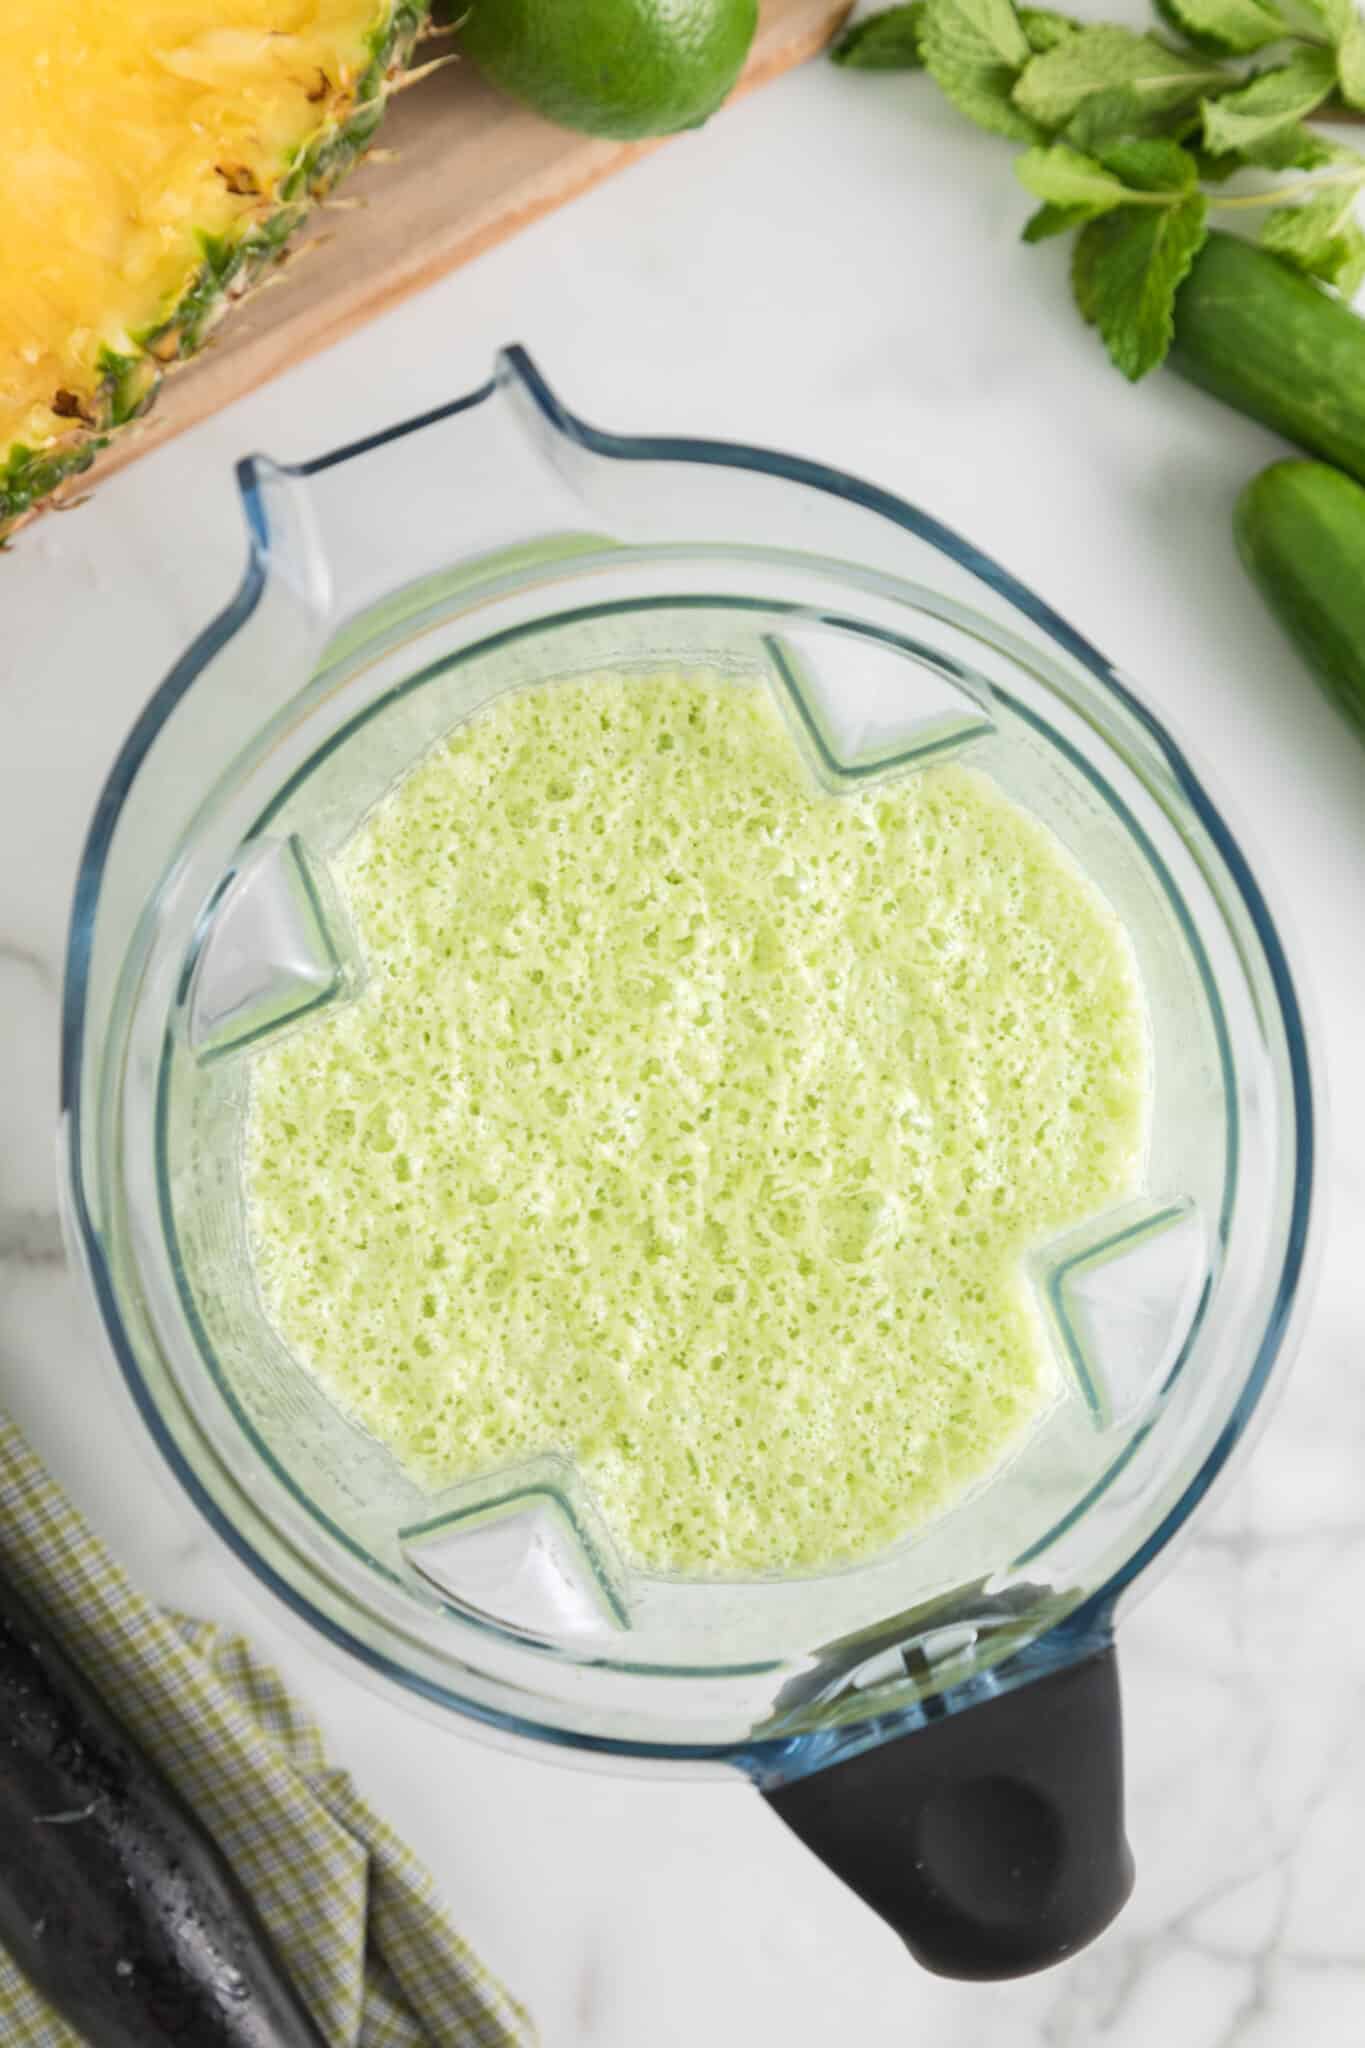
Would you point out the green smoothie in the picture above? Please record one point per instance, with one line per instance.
(696, 1123)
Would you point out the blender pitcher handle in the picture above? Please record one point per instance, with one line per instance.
(992, 1838)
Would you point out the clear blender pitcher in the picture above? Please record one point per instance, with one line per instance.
(940, 1723)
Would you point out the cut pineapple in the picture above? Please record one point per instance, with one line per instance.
(158, 153)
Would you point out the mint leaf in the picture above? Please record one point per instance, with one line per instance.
(1056, 83)
(1277, 99)
(1214, 170)
(1332, 15)
(1126, 271)
(1121, 110)
(984, 29)
(1290, 149)
(1077, 188)
(1045, 29)
(1056, 220)
(888, 41)
(1322, 237)
(1065, 178)
(1347, 29)
(974, 50)
(1351, 60)
(1335, 15)
(1232, 28)
(1104, 116)
(1127, 172)
(1152, 166)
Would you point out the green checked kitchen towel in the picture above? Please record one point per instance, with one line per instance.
(362, 1932)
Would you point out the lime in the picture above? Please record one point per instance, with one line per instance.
(622, 68)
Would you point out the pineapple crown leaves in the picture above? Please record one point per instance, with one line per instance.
(1128, 132)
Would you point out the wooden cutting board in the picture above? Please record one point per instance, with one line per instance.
(468, 167)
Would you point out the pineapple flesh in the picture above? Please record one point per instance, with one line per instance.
(158, 154)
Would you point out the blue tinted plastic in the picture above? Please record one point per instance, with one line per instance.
(568, 531)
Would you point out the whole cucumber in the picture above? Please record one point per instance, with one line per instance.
(1265, 339)
(1301, 533)
(113, 1900)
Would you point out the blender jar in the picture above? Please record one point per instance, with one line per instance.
(940, 1722)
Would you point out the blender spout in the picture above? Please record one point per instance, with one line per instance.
(285, 532)
(501, 468)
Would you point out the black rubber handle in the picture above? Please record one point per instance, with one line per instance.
(991, 1839)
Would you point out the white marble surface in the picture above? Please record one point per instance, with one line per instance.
(833, 267)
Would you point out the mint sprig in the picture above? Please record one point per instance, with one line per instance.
(1133, 138)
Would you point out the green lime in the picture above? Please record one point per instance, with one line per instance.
(622, 68)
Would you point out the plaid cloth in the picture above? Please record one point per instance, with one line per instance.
(352, 1912)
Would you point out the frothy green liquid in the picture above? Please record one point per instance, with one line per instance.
(696, 1123)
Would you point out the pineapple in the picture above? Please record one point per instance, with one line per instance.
(157, 156)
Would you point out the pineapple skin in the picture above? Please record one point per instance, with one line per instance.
(232, 264)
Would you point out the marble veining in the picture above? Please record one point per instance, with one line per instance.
(833, 266)
(30, 1237)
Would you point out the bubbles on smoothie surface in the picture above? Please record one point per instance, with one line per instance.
(696, 1122)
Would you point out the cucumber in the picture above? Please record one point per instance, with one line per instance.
(1265, 339)
(114, 1902)
(1301, 533)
